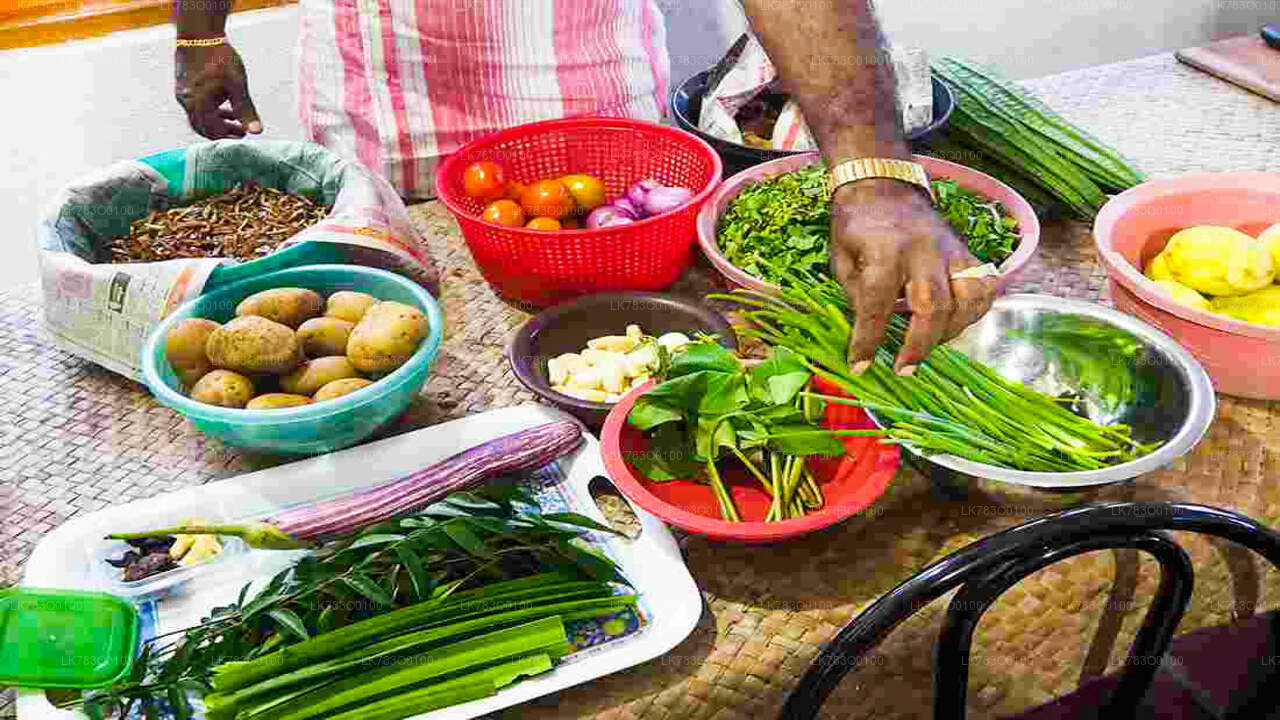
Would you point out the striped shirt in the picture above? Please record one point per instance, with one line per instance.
(396, 84)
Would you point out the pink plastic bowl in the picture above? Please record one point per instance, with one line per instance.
(1241, 358)
(1014, 204)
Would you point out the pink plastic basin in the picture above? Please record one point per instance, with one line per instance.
(1241, 358)
(1014, 204)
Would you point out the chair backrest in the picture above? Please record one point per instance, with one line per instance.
(988, 567)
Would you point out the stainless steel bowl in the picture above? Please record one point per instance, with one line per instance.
(1116, 368)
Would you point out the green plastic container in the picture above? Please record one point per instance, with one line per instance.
(172, 164)
(65, 638)
(318, 428)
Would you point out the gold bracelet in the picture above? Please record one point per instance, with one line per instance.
(201, 42)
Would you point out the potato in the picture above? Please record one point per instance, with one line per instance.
(315, 374)
(287, 306)
(386, 337)
(324, 336)
(348, 305)
(184, 348)
(253, 344)
(338, 388)
(277, 401)
(223, 388)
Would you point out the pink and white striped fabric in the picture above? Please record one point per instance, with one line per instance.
(396, 84)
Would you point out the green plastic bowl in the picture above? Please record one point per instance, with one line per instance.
(310, 429)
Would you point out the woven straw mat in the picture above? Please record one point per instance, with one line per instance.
(76, 438)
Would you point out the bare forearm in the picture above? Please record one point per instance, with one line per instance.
(200, 18)
(833, 60)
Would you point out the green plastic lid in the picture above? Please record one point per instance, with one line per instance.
(65, 638)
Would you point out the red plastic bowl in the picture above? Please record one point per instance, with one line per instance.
(1014, 204)
(1134, 226)
(849, 483)
(543, 268)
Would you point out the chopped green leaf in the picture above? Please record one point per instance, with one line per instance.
(648, 413)
(684, 392)
(702, 356)
(670, 456)
(804, 439)
(724, 393)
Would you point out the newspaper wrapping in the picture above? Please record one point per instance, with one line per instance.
(753, 74)
(104, 311)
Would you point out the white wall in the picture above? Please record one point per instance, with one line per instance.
(83, 105)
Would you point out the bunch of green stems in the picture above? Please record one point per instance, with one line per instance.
(951, 405)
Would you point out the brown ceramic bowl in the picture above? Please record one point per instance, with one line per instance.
(567, 327)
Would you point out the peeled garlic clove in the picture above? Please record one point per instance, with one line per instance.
(612, 379)
(634, 332)
(613, 343)
(559, 368)
(587, 394)
(674, 340)
(642, 361)
(585, 379)
(597, 358)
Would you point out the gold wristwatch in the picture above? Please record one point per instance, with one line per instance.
(850, 170)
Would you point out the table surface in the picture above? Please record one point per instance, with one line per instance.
(76, 438)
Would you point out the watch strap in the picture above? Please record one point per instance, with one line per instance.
(862, 168)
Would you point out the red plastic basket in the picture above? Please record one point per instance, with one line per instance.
(543, 268)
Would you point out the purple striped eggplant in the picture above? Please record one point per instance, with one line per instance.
(302, 526)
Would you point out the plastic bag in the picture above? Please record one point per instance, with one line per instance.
(751, 73)
(104, 311)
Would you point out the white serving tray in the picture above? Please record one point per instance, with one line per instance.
(670, 601)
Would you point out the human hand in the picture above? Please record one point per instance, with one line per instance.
(886, 236)
(211, 85)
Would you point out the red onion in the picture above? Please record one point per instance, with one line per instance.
(605, 214)
(639, 192)
(666, 199)
(629, 209)
(620, 220)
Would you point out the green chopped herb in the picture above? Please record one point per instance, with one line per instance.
(782, 224)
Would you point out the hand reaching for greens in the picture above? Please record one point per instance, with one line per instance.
(887, 237)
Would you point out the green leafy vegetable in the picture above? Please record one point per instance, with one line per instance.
(487, 556)
(992, 234)
(950, 405)
(715, 410)
(782, 225)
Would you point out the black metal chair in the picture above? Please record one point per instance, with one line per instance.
(985, 569)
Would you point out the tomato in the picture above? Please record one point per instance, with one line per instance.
(543, 223)
(484, 180)
(547, 198)
(504, 212)
(514, 190)
(587, 192)
(570, 223)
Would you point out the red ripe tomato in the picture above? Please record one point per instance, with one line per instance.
(543, 223)
(514, 190)
(504, 212)
(484, 180)
(547, 198)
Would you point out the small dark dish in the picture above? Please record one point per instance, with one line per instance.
(567, 327)
(686, 108)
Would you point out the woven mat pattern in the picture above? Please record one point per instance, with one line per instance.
(75, 438)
